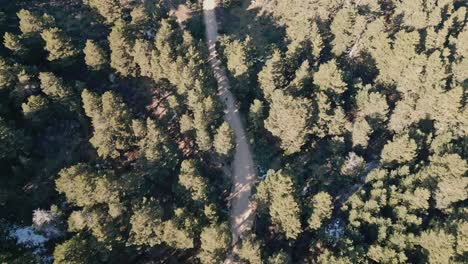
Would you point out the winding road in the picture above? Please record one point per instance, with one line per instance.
(243, 176)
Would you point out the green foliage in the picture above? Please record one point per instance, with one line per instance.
(288, 120)
(95, 56)
(146, 225)
(58, 45)
(31, 22)
(76, 250)
(53, 86)
(321, 210)
(14, 43)
(155, 146)
(142, 56)
(84, 186)
(251, 250)
(111, 10)
(36, 109)
(192, 181)
(447, 172)
(280, 258)
(239, 57)
(121, 45)
(7, 76)
(276, 194)
(215, 241)
(224, 140)
(400, 150)
(439, 246)
(257, 114)
(367, 100)
(12, 141)
(330, 78)
(111, 120)
(272, 75)
(347, 26)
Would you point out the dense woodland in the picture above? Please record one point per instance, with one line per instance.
(113, 147)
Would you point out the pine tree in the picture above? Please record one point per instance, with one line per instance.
(95, 56)
(272, 75)
(257, 114)
(439, 245)
(121, 45)
(111, 10)
(111, 121)
(321, 210)
(53, 86)
(276, 195)
(400, 150)
(7, 75)
(155, 146)
(288, 120)
(215, 241)
(146, 224)
(142, 56)
(347, 27)
(30, 22)
(15, 43)
(224, 140)
(77, 250)
(302, 78)
(448, 172)
(12, 141)
(280, 258)
(330, 78)
(238, 55)
(36, 109)
(191, 179)
(251, 250)
(58, 45)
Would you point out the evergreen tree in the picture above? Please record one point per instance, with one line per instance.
(239, 58)
(224, 140)
(36, 109)
(330, 78)
(400, 150)
(58, 45)
(280, 258)
(251, 250)
(347, 27)
(95, 56)
(7, 75)
(272, 75)
(276, 194)
(31, 22)
(142, 56)
(288, 120)
(146, 225)
(321, 210)
(53, 86)
(257, 114)
(15, 43)
(77, 250)
(111, 10)
(439, 245)
(215, 241)
(12, 141)
(121, 45)
(111, 121)
(192, 181)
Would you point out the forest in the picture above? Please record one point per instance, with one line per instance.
(115, 146)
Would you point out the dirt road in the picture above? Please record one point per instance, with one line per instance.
(243, 176)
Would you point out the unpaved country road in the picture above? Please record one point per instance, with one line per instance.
(243, 176)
